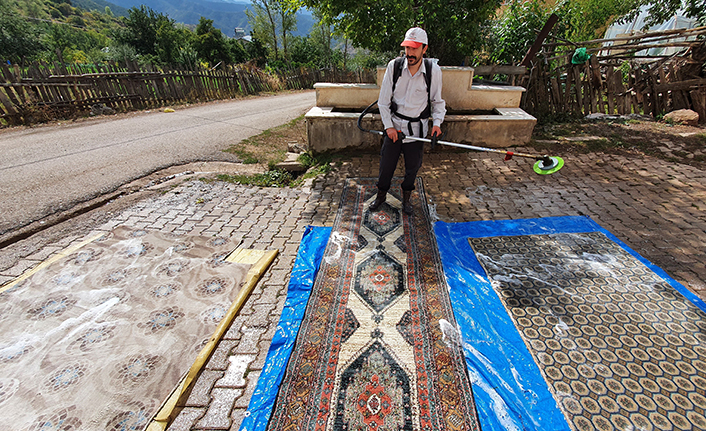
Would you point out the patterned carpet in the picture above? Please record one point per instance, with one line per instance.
(99, 338)
(566, 328)
(378, 347)
(618, 346)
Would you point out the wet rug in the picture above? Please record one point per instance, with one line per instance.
(565, 327)
(378, 346)
(98, 339)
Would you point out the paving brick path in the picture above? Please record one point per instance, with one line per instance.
(658, 209)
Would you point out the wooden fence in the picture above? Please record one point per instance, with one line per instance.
(41, 92)
(622, 79)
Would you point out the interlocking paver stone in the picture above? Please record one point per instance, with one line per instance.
(218, 414)
(235, 374)
(657, 209)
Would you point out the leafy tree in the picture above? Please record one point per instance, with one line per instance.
(140, 30)
(454, 27)
(263, 21)
(583, 20)
(288, 23)
(306, 52)
(121, 53)
(238, 52)
(18, 39)
(210, 43)
(510, 36)
(152, 34)
(257, 51)
(72, 43)
(662, 10)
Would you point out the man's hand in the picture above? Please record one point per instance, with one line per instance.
(436, 131)
(435, 135)
(392, 134)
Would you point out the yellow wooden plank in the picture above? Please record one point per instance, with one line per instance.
(170, 409)
(246, 256)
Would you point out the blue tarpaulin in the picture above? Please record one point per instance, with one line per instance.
(509, 389)
(510, 392)
(311, 251)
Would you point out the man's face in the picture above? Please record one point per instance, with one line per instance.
(414, 55)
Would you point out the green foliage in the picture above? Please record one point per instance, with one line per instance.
(662, 10)
(210, 43)
(514, 32)
(152, 34)
(266, 18)
(366, 59)
(19, 40)
(582, 20)
(257, 51)
(509, 37)
(454, 28)
(238, 51)
(273, 178)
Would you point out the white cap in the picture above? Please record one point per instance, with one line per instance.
(415, 37)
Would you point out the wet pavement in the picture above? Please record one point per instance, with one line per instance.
(657, 209)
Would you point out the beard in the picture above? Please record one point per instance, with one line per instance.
(412, 60)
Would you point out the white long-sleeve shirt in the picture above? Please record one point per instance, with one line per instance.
(411, 98)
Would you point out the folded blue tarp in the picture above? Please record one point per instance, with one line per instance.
(311, 251)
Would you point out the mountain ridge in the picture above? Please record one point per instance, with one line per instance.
(226, 15)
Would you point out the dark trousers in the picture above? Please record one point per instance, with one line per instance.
(390, 154)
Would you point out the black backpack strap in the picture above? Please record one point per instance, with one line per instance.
(396, 72)
(427, 76)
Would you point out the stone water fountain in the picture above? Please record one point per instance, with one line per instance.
(483, 115)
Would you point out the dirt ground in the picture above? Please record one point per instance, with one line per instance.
(670, 142)
(628, 137)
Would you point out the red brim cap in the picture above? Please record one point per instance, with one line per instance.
(411, 44)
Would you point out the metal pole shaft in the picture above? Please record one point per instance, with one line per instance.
(475, 148)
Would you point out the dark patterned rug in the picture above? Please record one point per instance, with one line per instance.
(378, 347)
(618, 346)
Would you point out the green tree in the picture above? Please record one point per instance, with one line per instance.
(263, 20)
(238, 52)
(305, 52)
(152, 34)
(583, 20)
(140, 30)
(18, 38)
(511, 35)
(662, 10)
(210, 43)
(257, 51)
(71, 42)
(454, 27)
(288, 23)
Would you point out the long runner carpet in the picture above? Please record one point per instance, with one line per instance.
(99, 338)
(565, 327)
(378, 346)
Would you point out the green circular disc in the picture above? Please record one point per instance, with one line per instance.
(557, 164)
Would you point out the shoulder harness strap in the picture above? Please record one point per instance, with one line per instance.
(397, 71)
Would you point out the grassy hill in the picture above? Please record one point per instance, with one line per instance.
(100, 5)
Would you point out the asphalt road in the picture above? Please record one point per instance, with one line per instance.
(51, 168)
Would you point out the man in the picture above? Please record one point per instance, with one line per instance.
(406, 105)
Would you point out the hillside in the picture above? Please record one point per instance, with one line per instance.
(225, 15)
(100, 5)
